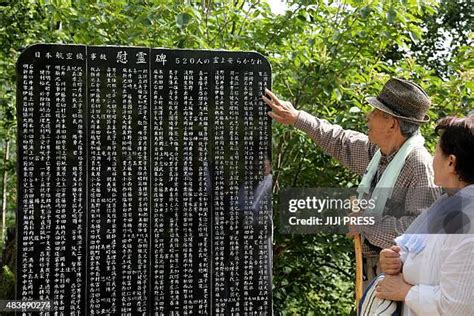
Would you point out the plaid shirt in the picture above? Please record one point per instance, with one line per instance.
(413, 191)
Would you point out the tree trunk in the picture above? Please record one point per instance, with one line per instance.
(4, 191)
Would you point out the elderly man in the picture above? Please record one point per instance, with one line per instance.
(396, 167)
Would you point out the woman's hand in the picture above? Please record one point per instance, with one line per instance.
(283, 111)
(390, 262)
(393, 287)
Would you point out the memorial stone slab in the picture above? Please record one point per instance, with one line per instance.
(144, 181)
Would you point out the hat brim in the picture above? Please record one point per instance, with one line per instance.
(373, 101)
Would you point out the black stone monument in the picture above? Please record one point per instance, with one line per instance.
(144, 181)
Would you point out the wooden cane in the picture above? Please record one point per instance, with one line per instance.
(359, 270)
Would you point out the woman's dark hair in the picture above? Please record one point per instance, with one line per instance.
(457, 138)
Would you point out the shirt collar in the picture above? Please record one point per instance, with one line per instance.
(386, 159)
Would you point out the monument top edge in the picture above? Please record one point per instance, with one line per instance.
(37, 46)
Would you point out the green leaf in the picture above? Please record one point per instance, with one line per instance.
(354, 109)
(183, 19)
(365, 12)
(391, 15)
(413, 37)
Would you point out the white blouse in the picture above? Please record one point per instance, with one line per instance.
(443, 277)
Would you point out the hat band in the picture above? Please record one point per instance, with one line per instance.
(393, 108)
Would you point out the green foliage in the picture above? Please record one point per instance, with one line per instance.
(7, 283)
(327, 56)
(454, 23)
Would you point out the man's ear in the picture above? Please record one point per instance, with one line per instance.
(395, 125)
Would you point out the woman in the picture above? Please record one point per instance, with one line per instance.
(431, 270)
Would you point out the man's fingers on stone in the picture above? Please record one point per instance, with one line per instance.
(272, 96)
(268, 102)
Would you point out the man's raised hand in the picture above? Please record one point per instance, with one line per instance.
(282, 111)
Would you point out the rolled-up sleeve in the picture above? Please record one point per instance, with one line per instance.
(351, 148)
